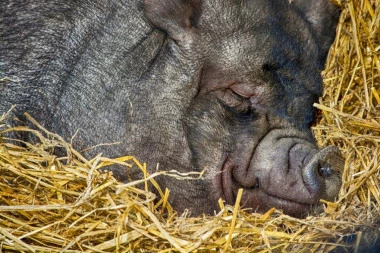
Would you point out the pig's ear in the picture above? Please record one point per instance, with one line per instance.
(323, 16)
(176, 17)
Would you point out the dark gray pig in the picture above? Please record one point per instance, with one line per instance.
(225, 86)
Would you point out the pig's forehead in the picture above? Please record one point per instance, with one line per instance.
(248, 29)
(249, 50)
(232, 15)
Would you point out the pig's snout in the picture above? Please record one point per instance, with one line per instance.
(322, 174)
(287, 171)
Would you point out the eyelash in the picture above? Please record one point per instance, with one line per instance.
(243, 105)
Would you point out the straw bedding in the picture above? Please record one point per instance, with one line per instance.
(67, 204)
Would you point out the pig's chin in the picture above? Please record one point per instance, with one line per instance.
(258, 199)
(261, 201)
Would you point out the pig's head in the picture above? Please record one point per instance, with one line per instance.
(258, 67)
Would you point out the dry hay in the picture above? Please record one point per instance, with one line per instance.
(65, 204)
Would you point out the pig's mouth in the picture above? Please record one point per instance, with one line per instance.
(286, 173)
(256, 197)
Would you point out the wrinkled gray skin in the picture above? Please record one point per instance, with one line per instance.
(221, 86)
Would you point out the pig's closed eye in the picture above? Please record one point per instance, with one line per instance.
(233, 100)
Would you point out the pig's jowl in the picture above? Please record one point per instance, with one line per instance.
(224, 86)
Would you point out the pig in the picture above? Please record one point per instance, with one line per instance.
(223, 87)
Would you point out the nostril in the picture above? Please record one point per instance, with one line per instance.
(325, 170)
(321, 175)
